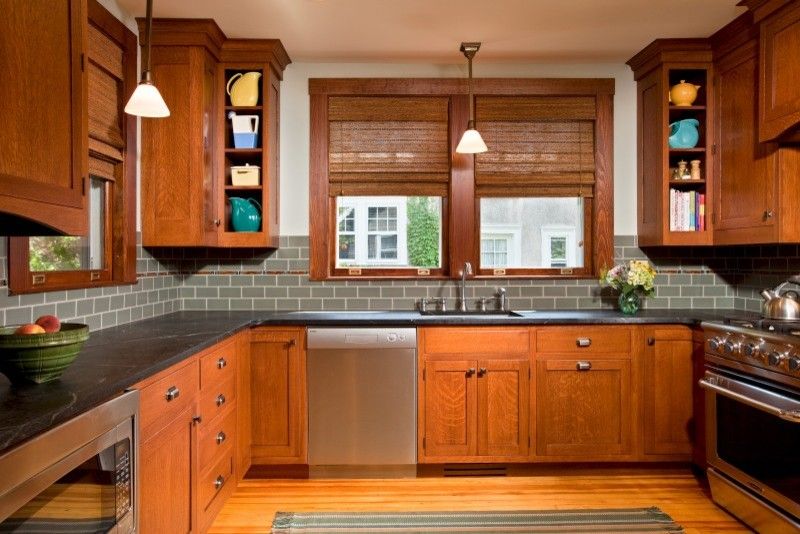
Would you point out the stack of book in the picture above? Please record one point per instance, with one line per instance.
(687, 210)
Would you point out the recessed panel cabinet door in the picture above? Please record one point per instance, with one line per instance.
(278, 396)
(450, 409)
(43, 151)
(503, 407)
(583, 407)
(779, 97)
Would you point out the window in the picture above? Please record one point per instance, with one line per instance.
(538, 203)
(107, 254)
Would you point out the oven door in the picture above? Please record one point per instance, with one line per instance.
(753, 436)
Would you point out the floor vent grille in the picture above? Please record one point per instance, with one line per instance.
(475, 471)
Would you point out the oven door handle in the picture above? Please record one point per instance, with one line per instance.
(792, 416)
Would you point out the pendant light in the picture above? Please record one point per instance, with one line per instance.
(471, 142)
(146, 101)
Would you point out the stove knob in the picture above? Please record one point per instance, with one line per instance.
(729, 347)
(775, 358)
(794, 363)
(749, 349)
(714, 343)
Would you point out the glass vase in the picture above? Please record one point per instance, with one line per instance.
(629, 303)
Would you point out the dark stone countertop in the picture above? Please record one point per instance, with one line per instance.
(116, 358)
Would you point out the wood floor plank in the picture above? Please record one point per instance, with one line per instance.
(677, 492)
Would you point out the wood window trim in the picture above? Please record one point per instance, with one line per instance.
(121, 218)
(460, 242)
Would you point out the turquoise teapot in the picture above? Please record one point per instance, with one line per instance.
(684, 133)
(245, 214)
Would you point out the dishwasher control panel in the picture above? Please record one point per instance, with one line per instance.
(339, 338)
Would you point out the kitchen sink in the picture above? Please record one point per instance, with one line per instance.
(471, 313)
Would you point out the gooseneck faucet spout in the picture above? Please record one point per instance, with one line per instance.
(462, 288)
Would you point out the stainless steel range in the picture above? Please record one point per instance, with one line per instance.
(752, 384)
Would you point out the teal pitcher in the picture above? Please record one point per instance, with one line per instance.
(684, 133)
(245, 214)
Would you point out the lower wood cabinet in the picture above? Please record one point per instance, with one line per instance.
(277, 406)
(474, 409)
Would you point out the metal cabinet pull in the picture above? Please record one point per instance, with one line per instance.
(172, 393)
(482, 371)
(583, 342)
(222, 363)
(583, 366)
(219, 482)
(470, 371)
(220, 399)
(768, 214)
(197, 419)
(221, 437)
(651, 341)
(290, 343)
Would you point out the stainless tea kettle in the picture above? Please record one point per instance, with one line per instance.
(783, 306)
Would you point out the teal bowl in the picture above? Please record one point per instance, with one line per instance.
(39, 358)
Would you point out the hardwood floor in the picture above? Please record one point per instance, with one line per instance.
(676, 491)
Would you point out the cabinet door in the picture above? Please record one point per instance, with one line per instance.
(744, 201)
(43, 152)
(450, 409)
(278, 408)
(583, 413)
(779, 99)
(503, 408)
(165, 475)
(667, 391)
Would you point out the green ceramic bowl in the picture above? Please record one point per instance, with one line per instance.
(39, 358)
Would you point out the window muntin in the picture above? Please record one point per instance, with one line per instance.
(389, 232)
(539, 232)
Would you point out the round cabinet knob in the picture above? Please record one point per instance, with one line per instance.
(794, 363)
(775, 358)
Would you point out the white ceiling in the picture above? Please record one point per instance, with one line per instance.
(431, 30)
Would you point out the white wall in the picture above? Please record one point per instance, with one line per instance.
(295, 124)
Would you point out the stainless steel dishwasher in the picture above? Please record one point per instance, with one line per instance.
(362, 400)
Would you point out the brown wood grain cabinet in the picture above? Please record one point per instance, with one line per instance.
(186, 160)
(278, 408)
(474, 394)
(667, 391)
(44, 164)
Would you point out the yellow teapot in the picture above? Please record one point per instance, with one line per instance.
(245, 88)
(683, 94)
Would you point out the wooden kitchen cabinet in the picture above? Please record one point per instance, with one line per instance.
(43, 103)
(658, 67)
(278, 407)
(186, 160)
(474, 394)
(585, 406)
(667, 391)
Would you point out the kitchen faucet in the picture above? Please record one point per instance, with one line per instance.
(462, 288)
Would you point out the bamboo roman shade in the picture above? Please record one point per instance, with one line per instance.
(538, 146)
(105, 73)
(388, 145)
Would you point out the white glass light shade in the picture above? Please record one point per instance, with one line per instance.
(471, 143)
(146, 101)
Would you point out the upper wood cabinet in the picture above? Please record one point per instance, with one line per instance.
(474, 394)
(673, 211)
(43, 156)
(187, 158)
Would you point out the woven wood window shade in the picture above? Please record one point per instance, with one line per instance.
(105, 73)
(538, 146)
(386, 145)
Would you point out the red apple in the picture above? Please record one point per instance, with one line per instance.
(50, 323)
(31, 328)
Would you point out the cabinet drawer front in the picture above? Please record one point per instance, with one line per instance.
(215, 437)
(584, 340)
(162, 401)
(215, 400)
(216, 478)
(476, 340)
(217, 366)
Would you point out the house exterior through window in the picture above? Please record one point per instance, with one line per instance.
(372, 231)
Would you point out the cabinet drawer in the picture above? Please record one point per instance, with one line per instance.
(217, 366)
(162, 401)
(215, 437)
(214, 400)
(215, 479)
(589, 340)
(472, 340)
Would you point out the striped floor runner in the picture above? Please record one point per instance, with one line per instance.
(556, 521)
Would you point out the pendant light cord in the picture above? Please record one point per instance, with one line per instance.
(471, 124)
(149, 15)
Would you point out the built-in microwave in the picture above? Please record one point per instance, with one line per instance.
(80, 477)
